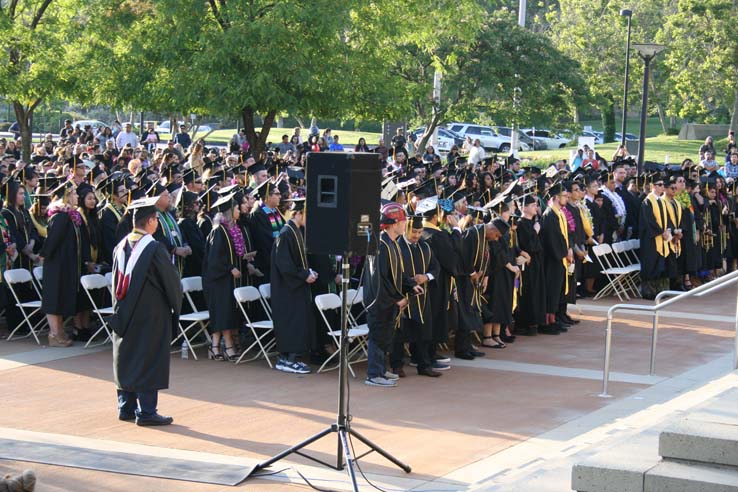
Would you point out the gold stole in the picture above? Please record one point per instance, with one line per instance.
(675, 214)
(662, 248)
(564, 227)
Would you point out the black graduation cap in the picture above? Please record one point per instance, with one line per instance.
(297, 204)
(227, 190)
(264, 189)
(501, 225)
(189, 176)
(62, 190)
(143, 207)
(416, 222)
(43, 199)
(555, 189)
(255, 168)
(427, 206)
(449, 191)
(209, 197)
(47, 182)
(156, 189)
(223, 203)
(295, 174)
(426, 189)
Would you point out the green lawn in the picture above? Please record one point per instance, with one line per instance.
(633, 125)
(275, 136)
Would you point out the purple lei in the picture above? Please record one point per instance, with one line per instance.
(237, 237)
(73, 214)
(569, 219)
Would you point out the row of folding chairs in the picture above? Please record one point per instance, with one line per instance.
(621, 267)
(357, 333)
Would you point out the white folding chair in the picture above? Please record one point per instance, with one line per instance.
(622, 260)
(265, 291)
(27, 308)
(260, 329)
(38, 276)
(196, 319)
(356, 298)
(90, 283)
(109, 280)
(327, 302)
(635, 245)
(615, 275)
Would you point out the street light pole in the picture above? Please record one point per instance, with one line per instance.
(514, 144)
(629, 14)
(647, 52)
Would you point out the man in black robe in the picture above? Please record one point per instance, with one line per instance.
(168, 232)
(110, 217)
(148, 295)
(189, 206)
(531, 311)
(632, 204)
(474, 256)
(266, 224)
(578, 244)
(416, 325)
(654, 235)
(386, 285)
(291, 277)
(557, 257)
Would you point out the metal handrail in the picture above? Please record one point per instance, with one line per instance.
(708, 288)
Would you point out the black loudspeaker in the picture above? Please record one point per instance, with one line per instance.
(342, 202)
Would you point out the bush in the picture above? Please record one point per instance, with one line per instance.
(672, 131)
(5, 126)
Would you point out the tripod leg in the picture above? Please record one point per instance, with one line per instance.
(293, 449)
(343, 441)
(381, 451)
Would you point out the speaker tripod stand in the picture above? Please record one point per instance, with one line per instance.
(344, 457)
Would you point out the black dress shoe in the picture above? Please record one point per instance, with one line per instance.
(548, 330)
(561, 327)
(429, 372)
(476, 353)
(569, 320)
(126, 416)
(154, 420)
(465, 356)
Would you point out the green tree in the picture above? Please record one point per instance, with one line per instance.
(35, 37)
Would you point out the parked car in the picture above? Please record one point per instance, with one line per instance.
(550, 139)
(598, 136)
(490, 139)
(95, 124)
(526, 143)
(628, 136)
(164, 127)
(446, 138)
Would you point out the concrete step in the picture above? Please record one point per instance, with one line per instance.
(669, 476)
(701, 441)
(619, 469)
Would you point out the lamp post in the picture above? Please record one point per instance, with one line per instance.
(629, 14)
(647, 52)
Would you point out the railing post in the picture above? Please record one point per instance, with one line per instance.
(606, 368)
(654, 338)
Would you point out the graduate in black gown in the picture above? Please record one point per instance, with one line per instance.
(63, 265)
(205, 217)
(168, 232)
(222, 273)
(531, 312)
(291, 278)
(148, 295)
(90, 242)
(110, 216)
(557, 257)
(654, 238)
(266, 223)
(385, 287)
(590, 269)
(445, 248)
(690, 260)
(416, 325)
(474, 255)
(189, 206)
(21, 228)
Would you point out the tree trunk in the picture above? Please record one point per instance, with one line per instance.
(23, 116)
(608, 121)
(429, 129)
(257, 142)
(734, 113)
(659, 106)
(576, 115)
(300, 122)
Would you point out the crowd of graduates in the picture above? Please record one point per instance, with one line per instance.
(472, 254)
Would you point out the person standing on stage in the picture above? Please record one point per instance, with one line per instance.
(385, 286)
(146, 305)
(655, 236)
(531, 311)
(291, 277)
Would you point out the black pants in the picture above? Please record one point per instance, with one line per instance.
(419, 353)
(142, 403)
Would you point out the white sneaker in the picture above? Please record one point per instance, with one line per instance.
(443, 359)
(292, 367)
(380, 382)
(391, 376)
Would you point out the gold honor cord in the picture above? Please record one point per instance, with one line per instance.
(564, 226)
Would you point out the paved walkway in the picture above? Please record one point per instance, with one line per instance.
(482, 424)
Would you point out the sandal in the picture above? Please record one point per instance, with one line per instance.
(498, 345)
(231, 357)
(213, 356)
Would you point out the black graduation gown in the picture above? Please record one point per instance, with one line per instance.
(609, 221)
(690, 261)
(713, 255)
(652, 263)
(171, 241)
(632, 210)
(294, 324)
(218, 282)
(555, 249)
(89, 234)
(205, 223)
(263, 236)
(144, 321)
(532, 301)
(62, 266)
(125, 226)
(22, 232)
(474, 258)
(417, 319)
(501, 281)
(445, 251)
(591, 269)
(192, 236)
(245, 224)
(109, 220)
(579, 238)
(385, 284)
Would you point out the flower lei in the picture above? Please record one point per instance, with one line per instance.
(585, 209)
(74, 215)
(684, 200)
(237, 236)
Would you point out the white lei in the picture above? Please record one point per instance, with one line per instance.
(617, 202)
